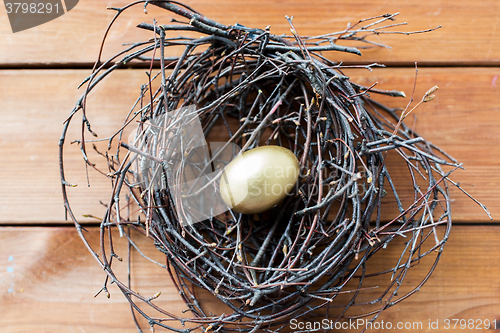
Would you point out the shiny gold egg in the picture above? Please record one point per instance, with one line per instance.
(259, 179)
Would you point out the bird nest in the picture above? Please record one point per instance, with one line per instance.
(309, 255)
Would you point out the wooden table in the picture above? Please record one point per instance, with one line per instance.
(48, 278)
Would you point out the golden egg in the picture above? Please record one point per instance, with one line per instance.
(259, 179)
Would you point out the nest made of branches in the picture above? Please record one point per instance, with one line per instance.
(252, 88)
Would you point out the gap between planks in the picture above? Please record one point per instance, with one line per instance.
(146, 65)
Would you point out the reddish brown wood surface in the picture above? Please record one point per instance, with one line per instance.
(469, 34)
(463, 119)
(48, 279)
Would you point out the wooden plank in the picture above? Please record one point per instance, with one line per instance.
(468, 36)
(48, 279)
(454, 292)
(458, 122)
(463, 119)
(37, 103)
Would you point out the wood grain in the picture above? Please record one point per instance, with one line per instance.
(463, 119)
(48, 279)
(469, 34)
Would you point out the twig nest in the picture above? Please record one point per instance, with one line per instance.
(283, 248)
(259, 179)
